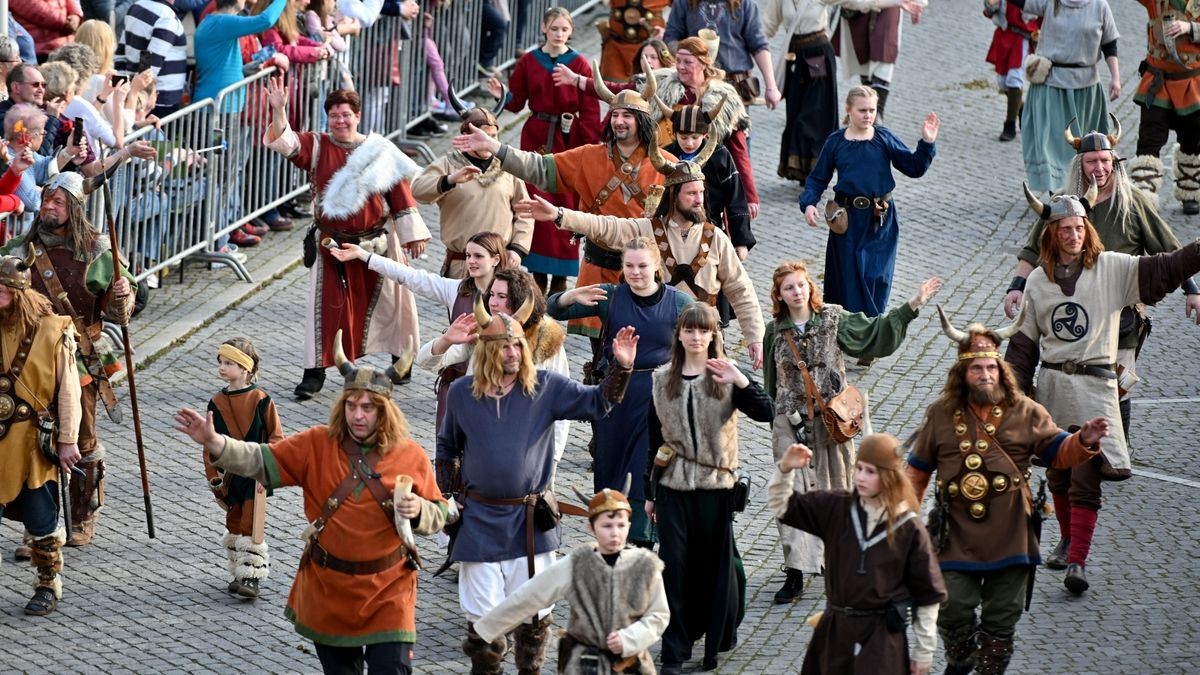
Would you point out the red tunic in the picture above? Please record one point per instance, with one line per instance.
(376, 315)
(1008, 45)
(339, 609)
(552, 250)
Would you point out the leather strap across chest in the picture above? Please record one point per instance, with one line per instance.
(615, 184)
(687, 273)
(13, 408)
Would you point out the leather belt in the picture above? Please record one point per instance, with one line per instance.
(529, 501)
(854, 611)
(601, 257)
(319, 556)
(545, 117)
(859, 202)
(1106, 371)
(808, 39)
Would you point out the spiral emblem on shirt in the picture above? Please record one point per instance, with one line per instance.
(1069, 322)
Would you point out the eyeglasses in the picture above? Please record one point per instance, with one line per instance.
(35, 85)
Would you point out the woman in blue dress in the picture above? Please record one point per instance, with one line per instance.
(651, 307)
(859, 263)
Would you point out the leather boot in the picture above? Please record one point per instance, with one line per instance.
(529, 645)
(792, 588)
(87, 496)
(229, 542)
(1187, 181)
(994, 654)
(310, 384)
(486, 657)
(1076, 579)
(1146, 172)
(1013, 94)
(47, 558)
(253, 563)
(961, 650)
(1126, 416)
(1057, 560)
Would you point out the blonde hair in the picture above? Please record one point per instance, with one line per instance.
(61, 79)
(390, 429)
(859, 91)
(100, 37)
(650, 247)
(553, 13)
(489, 367)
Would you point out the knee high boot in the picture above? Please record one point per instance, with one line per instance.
(253, 564)
(229, 541)
(529, 648)
(962, 647)
(486, 657)
(1057, 560)
(994, 654)
(1146, 173)
(48, 560)
(1187, 181)
(87, 496)
(1013, 94)
(1083, 526)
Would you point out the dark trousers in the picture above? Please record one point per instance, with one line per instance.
(37, 508)
(999, 595)
(1081, 483)
(385, 658)
(495, 29)
(1156, 124)
(702, 572)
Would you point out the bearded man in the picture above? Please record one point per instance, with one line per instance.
(611, 178)
(697, 256)
(474, 195)
(360, 196)
(355, 591)
(496, 441)
(1127, 221)
(75, 271)
(980, 436)
(40, 384)
(1073, 304)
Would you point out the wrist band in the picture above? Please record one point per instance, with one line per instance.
(1190, 287)
(1018, 284)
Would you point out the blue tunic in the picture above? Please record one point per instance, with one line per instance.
(507, 450)
(859, 263)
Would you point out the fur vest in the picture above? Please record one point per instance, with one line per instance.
(733, 115)
(819, 348)
(715, 433)
(545, 339)
(595, 586)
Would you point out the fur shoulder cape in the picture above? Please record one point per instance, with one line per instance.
(733, 115)
(374, 168)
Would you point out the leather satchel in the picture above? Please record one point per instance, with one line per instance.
(836, 217)
(843, 414)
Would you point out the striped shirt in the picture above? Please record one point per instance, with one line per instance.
(152, 26)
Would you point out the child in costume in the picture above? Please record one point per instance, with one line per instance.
(880, 568)
(243, 411)
(618, 603)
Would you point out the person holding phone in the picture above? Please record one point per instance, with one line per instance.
(165, 55)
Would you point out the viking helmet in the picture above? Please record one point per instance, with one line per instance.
(502, 326)
(368, 378)
(607, 500)
(685, 171)
(478, 115)
(1061, 206)
(979, 341)
(14, 272)
(69, 182)
(628, 99)
(881, 450)
(690, 119)
(1094, 140)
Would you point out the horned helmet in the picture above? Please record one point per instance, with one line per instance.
(369, 378)
(502, 326)
(1094, 140)
(1062, 206)
(628, 99)
(686, 171)
(14, 272)
(479, 116)
(979, 341)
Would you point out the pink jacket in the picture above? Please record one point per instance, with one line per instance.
(304, 51)
(46, 21)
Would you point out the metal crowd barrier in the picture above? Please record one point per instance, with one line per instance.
(214, 175)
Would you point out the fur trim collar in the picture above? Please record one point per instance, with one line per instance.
(546, 338)
(374, 167)
(733, 116)
(484, 179)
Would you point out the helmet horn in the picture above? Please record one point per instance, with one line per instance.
(524, 311)
(344, 365)
(712, 114)
(628, 483)
(1089, 197)
(663, 107)
(602, 91)
(1075, 142)
(948, 328)
(661, 163)
(402, 364)
(481, 314)
(1012, 328)
(1043, 210)
(455, 101)
(1115, 134)
(651, 88)
(713, 138)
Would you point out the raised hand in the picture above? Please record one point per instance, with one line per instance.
(276, 93)
(495, 88)
(564, 76)
(929, 130)
(624, 346)
(797, 456)
(197, 427)
(475, 140)
(1093, 430)
(725, 372)
(464, 175)
(928, 289)
(462, 330)
(587, 296)
(537, 208)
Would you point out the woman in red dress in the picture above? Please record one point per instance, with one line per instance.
(562, 118)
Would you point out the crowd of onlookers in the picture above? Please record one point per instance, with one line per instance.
(114, 67)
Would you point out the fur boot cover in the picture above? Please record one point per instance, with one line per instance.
(48, 560)
(1146, 172)
(529, 648)
(1187, 176)
(486, 657)
(253, 562)
(229, 541)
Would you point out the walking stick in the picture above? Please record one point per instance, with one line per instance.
(129, 364)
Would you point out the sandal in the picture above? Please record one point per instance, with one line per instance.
(42, 603)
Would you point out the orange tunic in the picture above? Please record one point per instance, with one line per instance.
(1180, 95)
(330, 607)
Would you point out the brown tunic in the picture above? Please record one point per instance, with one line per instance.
(905, 569)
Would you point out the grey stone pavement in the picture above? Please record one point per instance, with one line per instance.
(134, 604)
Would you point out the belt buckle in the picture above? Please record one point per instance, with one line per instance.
(861, 202)
(1070, 367)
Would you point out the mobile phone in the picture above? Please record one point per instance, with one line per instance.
(118, 80)
(77, 131)
(144, 61)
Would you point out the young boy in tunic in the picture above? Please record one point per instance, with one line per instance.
(243, 411)
(601, 635)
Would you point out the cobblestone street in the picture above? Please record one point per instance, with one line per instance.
(134, 604)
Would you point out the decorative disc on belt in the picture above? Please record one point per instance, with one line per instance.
(7, 406)
(974, 461)
(978, 510)
(974, 486)
(996, 411)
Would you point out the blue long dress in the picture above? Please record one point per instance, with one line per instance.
(859, 263)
